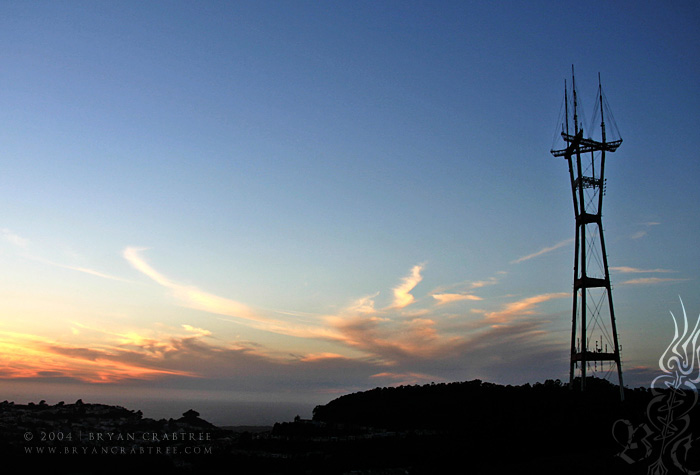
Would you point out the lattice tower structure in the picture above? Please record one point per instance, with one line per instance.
(594, 338)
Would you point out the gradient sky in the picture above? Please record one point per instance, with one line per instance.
(282, 202)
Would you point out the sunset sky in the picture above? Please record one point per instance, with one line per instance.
(277, 203)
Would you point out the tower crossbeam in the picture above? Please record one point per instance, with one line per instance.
(587, 145)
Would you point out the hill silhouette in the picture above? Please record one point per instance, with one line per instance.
(484, 427)
(470, 427)
(455, 406)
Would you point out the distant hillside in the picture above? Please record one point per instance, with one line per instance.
(451, 406)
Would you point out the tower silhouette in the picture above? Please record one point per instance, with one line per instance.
(596, 342)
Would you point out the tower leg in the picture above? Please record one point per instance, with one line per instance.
(611, 308)
(573, 319)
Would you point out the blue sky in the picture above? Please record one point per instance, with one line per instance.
(288, 201)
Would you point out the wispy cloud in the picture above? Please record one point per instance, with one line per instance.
(192, 297)
(649, 280)
(522, 307)
(465, 288)
(483, 283)
(402, 293)
(450, 298)
(364, 305)
(634, 270)
(542, 251)
(640, 234)
(84, 270)
(21, 242)
(645, 280)
(321, 357)
(13, 238)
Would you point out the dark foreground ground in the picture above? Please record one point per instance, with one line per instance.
(467, 428)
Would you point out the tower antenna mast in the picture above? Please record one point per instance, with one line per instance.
(592, 293)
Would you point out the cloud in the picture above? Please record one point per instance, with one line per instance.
(463, 288)
(354, 348)
(390, 338)
(649, 280)
(82, 269)
(196, 331)
(95, 273)
(321, 357)
(483, 283)
(640, 234)
(644, 280)
(31, 356)
(634, 270)
(541, 251)
(192, 357)
(393, 337)
(191, 296)
(402, 293)
(19, 241)
(364, 305)
(177, 359)
(449, 298)
(522, 307)
(13, 238)
(194, 298)
(358, 347)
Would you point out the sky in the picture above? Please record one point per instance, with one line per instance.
(251, 208)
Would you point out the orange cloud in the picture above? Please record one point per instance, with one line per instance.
(522, 307)
(395, 337)
(391, 338)
(29, 356)
(364, 305)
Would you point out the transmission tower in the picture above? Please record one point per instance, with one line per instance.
(595, 345)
